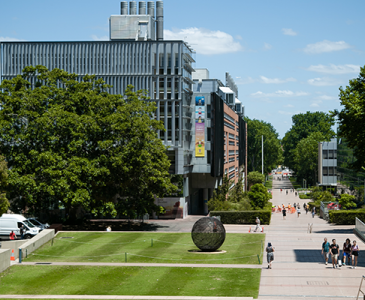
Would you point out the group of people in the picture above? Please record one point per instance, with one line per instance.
(350, 252)
(291, 190)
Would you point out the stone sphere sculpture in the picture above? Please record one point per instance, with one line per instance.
(208, 234)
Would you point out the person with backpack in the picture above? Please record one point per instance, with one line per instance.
(270, 255)
(325, 249)
(335, 251)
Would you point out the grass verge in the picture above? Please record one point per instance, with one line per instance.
(85, 280)
(145, 248)
(268, 183)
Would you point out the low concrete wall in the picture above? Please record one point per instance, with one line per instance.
(13, 245)
(34, 243)
(4, 259)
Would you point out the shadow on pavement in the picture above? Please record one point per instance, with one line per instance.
(315, 256)
(336, 231)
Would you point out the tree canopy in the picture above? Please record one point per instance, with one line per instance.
(352, 117)
(72, 143)
(306, 157)
(255, 177)
(303, 126)
(273, 154)
(4, 203)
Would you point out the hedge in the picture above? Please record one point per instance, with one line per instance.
(346, 217)
(243, 217)
(317, 206)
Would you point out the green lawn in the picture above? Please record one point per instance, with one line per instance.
(167, 248)
(86, 280)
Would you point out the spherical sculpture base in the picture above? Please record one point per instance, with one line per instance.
(208, 234)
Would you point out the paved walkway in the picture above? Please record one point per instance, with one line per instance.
(298, 269)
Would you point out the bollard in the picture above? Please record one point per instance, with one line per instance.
(125, 256)
(20, 255)
(258, 257)
(151, 242)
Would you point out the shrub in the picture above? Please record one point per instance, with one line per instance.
(347, 201)
(346, 217)
(259, 196)
(317, 205)
(305, 196)
(243, 217)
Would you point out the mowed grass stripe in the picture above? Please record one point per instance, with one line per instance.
(85, 280)
(167, 248)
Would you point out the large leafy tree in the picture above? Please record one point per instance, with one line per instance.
(4, 203)
(303, 126)
(306, 157)
(352, 117)
(72, 143)
(273, 154)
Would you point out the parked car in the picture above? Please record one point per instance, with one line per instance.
(12, 222)
(38, 224)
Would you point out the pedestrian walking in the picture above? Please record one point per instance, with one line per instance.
(281, 190)
(270, 255)
(355, 253)
(306, 209)
(346, 252)
(334, 251)
(295, 205)
(22, 231)
(12, 235)
(313, 211)
(298, 205)
(325, 250)
(304, 205)
(257, 224)
(287, 192)
(298, 211)
(284, 213)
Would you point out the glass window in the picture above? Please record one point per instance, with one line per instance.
(325, 154)
(209, 133)
(209, 111)
(325, 171)
(208, 157)
(330, 154)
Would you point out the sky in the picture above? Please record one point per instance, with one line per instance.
(286, 57)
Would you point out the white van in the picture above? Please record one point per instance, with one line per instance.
(12, 222)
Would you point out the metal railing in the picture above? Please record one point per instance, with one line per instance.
(360, 291)
(360, 228)
(324, 210)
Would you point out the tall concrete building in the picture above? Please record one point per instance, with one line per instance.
(327, 163)
(137, 54)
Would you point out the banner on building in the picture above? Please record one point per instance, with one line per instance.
(199, 126)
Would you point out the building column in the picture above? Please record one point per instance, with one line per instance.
(205, 196)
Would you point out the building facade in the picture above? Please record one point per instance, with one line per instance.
(327, 163)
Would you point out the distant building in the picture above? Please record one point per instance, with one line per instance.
(327, 163)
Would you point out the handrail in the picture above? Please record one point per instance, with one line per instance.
(360, 291)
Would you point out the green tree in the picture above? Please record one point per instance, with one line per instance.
(72, 143)
(219, 200)
(303, 126)
(255, 177)
(4, 203)
(306, 157)
(259, 196)
(347, 201)
(273, 154)
(351, 117)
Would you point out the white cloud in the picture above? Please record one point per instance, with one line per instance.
(247, 80)
(324, 81)
(289, 106)
(335, 70)
(267, 46)
(9, 39)
(326, 46)
(238, 37)
(325, 97)
(102, 38)
(276, 80)
(205, 41)
(284, 93)
(289, 31)
(315, 103)
(288, 113)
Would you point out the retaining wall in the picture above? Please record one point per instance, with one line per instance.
(34, 243)
(4, 259)
(13, 245)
